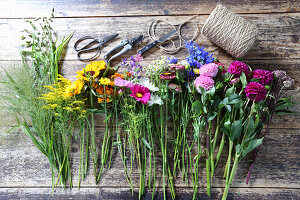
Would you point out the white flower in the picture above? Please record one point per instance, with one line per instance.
(156, 66)
(185, 63)
(155, 99)
(146, 83)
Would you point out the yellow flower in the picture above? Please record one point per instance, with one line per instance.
(75, 88)
(92, 70)
(105, 81)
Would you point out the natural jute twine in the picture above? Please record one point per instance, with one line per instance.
(230, 31)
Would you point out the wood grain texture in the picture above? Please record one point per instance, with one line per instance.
(25, 172)
(82, 8)
(21, 164)
(123, 194)
(278, 35)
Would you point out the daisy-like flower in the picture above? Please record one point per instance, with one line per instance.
(75, 88)
(146, 83)
(140, 93)
(105, 81)
(155, 99)
(205, 82)
(122, 83)
(92, 70)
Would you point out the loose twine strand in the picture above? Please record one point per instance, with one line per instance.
(223, 27)
(174, 49)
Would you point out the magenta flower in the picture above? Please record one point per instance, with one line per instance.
(255, 91)
(140, 93)
(221, 65)
(205, 82)
(265, 76)
(122, 83)
(167, 76)
(177, 67)
(237, 67)
(210, 70)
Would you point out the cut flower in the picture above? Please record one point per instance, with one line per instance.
(255, 91)
(205, 82)
(140, 93)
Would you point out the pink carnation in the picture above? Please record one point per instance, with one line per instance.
(210, 70)
(140, 93)
(265, 77)
(255, 91)
(122, 83)
(205, 82)
(237, 67)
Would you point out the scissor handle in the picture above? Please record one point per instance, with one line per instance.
(84, 48)
(125, 49)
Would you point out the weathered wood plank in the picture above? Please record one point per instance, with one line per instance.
(278, 35)
(21, 164)
(75, 8)
(124, 194)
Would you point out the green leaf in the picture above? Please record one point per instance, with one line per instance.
(146, 143)
(211, 92)
(238, 149)
(227, 124)
(196, 106)
(236, 129)
(252, 145)
(243, 79)
(211, 116)
(229, 91)
(249, 127)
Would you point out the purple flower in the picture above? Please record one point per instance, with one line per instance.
(255, 91)
(140, 93)
(122, 83)
(265, 77)
(205, 82)
(210, 70)
(237, 67)
(172, 60)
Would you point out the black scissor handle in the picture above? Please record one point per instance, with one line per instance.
(84, 48)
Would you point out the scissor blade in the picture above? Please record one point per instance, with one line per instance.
(165, 37)
(137, 40)
(108, 38)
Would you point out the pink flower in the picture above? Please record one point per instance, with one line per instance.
(122, 83)
(221, 65)
(205, 82)
(265, 76)
(210, 70)
(140, 93)
(237, 67)
(138, 58)
(168, 76)
(173, 86)
(255, 91)
(177, 67)
(235, 81)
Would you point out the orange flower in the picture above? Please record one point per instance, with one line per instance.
(118, 75)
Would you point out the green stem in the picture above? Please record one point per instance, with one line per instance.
(229, 182)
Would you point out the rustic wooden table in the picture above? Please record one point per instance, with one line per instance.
(24, 171)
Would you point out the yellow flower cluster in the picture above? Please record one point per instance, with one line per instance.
(61, 96)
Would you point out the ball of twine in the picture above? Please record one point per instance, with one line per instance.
(230, 31)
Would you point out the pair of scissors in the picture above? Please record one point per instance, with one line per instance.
(126, 44)
(94, 44)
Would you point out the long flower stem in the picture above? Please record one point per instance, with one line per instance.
(229, 181)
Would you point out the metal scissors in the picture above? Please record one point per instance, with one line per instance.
(126, 44)
(91, 46)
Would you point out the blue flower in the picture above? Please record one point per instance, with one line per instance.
(173, 60)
